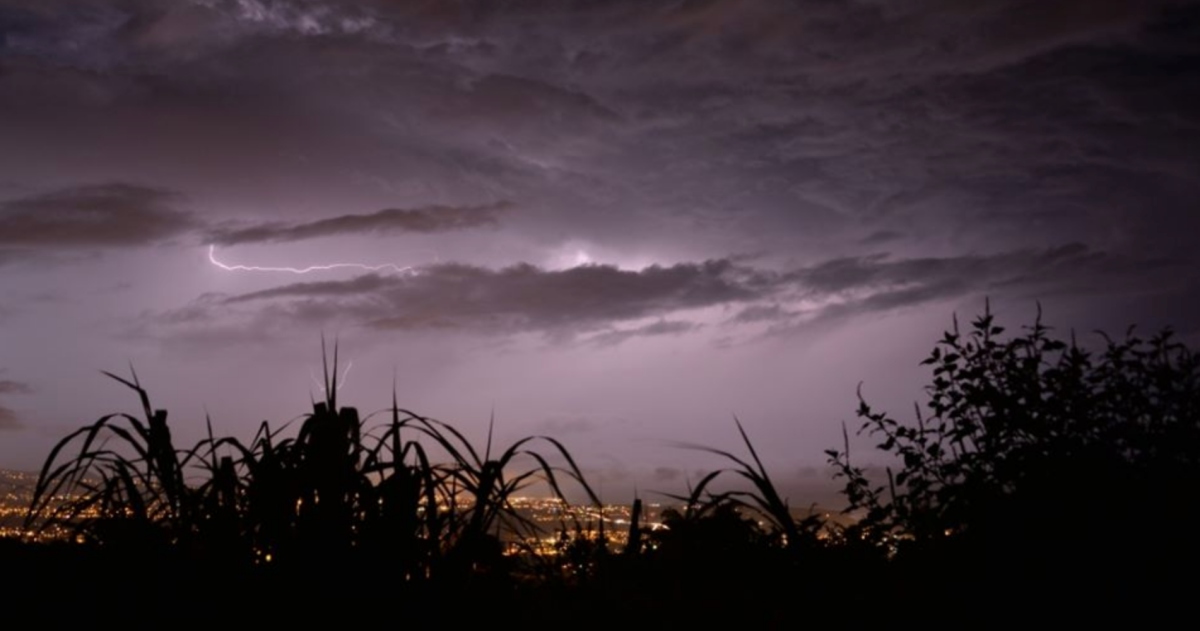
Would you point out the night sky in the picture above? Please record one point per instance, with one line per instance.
(617, 223)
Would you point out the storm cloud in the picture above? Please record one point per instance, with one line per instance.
(1071, 267)
(879, 283)
(92, 216)
(9, 419)
(391, 220)
(8, 386)
(686, 185)
(12, 255)
(520, 298)
(610, 305)
(750, 125)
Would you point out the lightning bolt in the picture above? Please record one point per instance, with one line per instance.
(212, 258)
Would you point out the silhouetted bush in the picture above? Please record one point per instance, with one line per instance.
(1067, 470)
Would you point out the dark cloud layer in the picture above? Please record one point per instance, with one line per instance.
(14, 387)
(829, 159)
(9, 418)
(998, 123)
(519, 298)
(392, 220)
(606, 302)
(119, 214)
(101, 215)
(1071, 267)
(876, 284)
(11, 255)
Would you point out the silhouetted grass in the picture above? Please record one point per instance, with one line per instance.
(337, 492)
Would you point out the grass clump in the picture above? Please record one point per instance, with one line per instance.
(341, 493)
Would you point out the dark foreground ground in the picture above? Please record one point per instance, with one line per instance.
(65, 585)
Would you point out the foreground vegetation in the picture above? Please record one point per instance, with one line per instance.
(1038, 475)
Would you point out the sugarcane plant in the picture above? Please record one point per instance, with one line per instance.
(411, 493)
